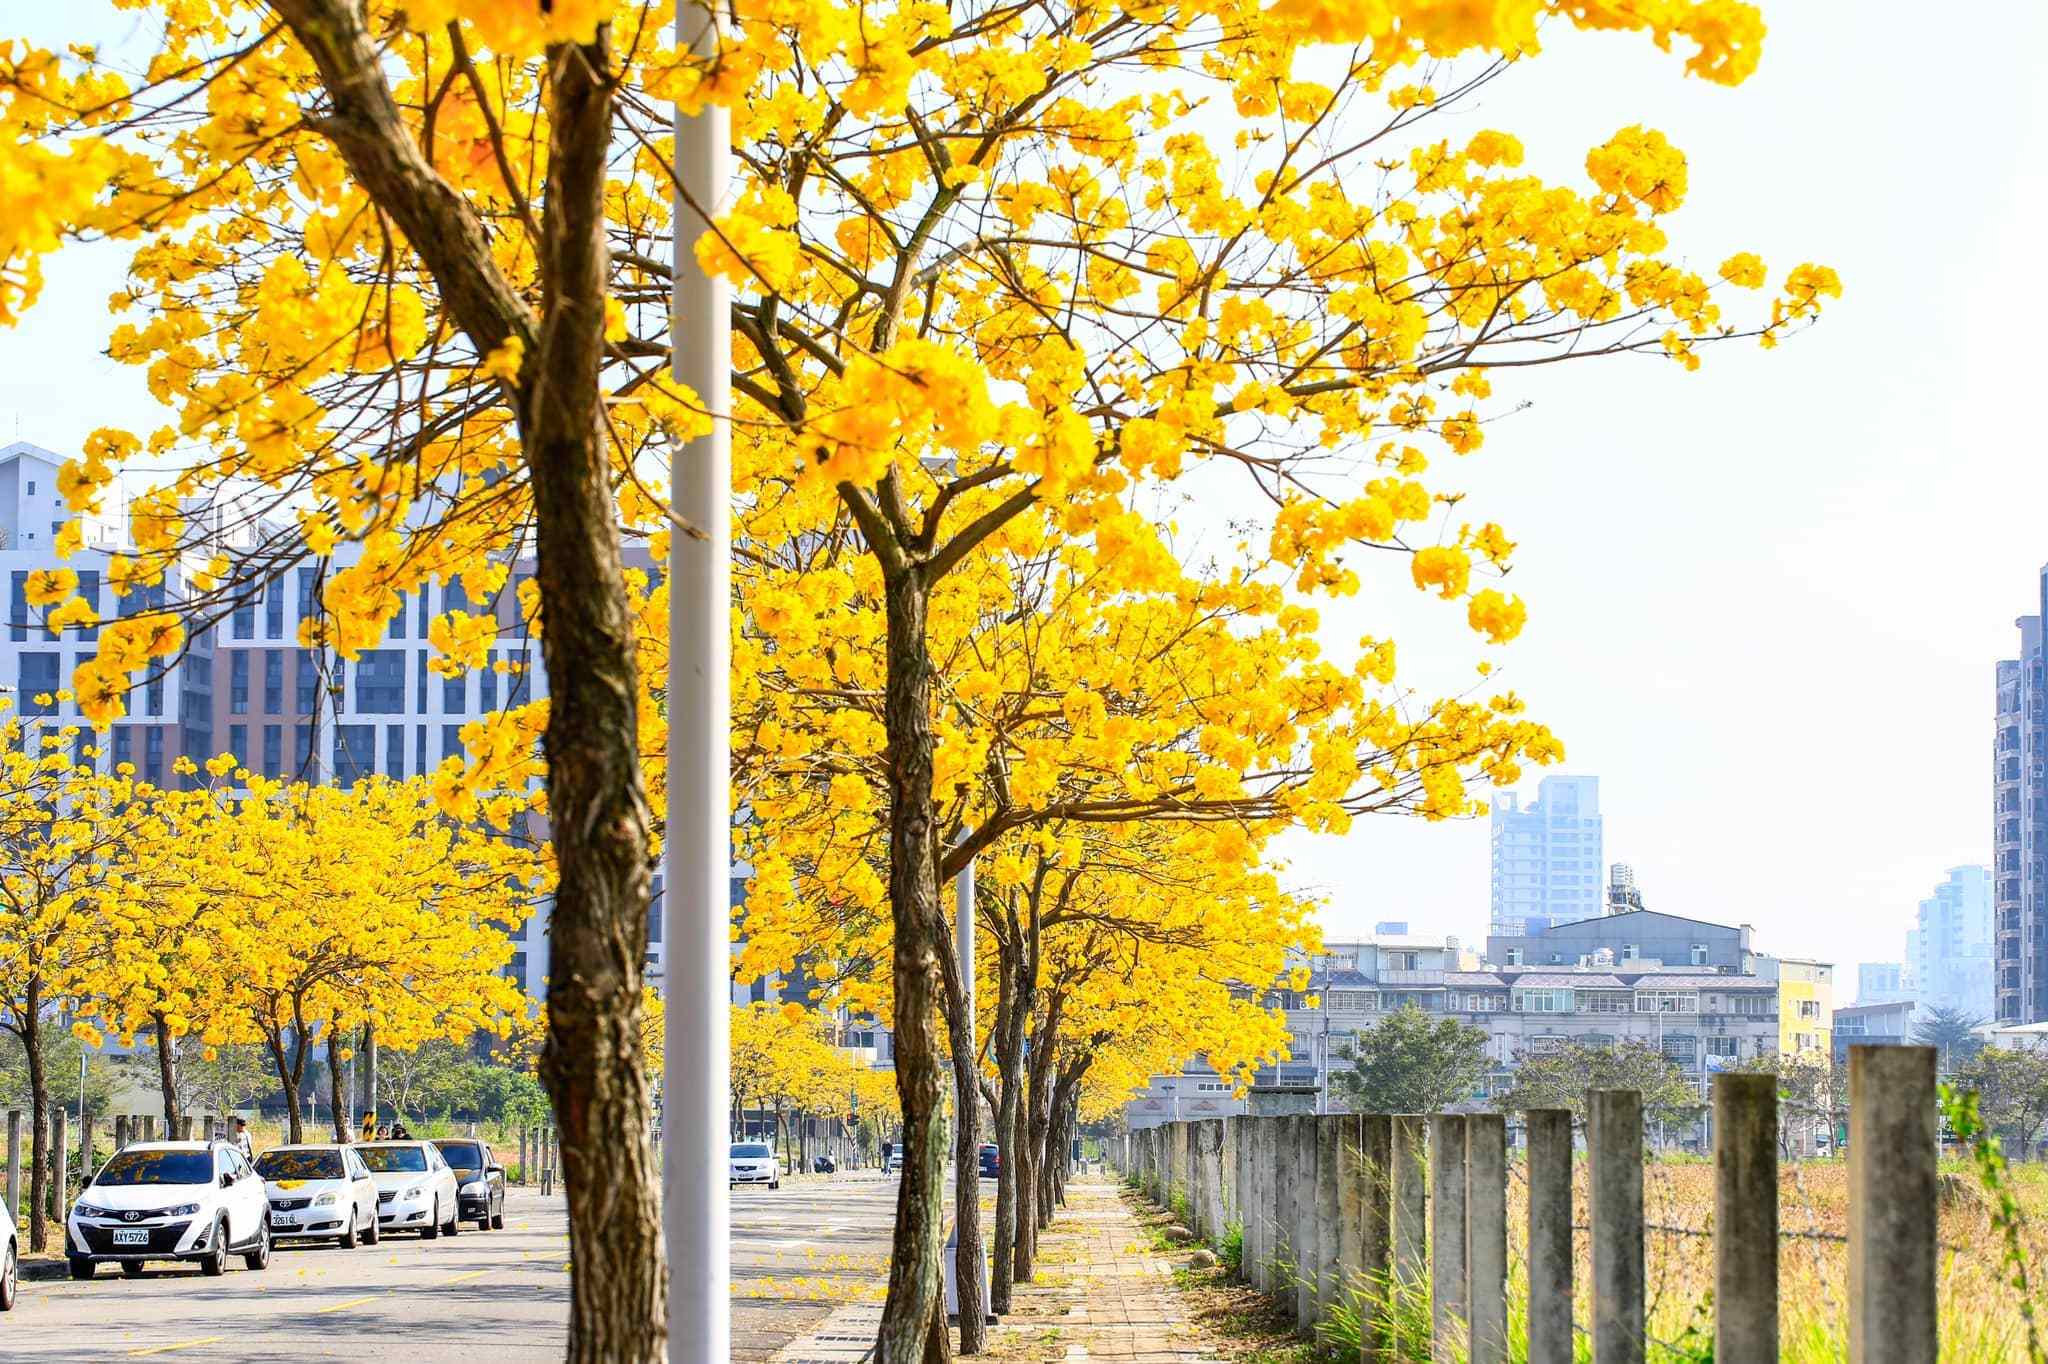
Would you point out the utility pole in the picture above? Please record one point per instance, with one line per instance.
(696, 1068)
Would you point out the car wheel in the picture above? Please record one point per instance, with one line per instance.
(131, 1269)
(259, 1258)
(432, 1230)
(10, 1280)
(454, 1224)
(347, 1240)
(216, 1262)
(774, 1183)
(373, 1233)
(498, 1219)
(82, 1268)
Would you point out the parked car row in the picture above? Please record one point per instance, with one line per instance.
(205, 1202)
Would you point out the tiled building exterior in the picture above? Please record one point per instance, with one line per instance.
(1547, 855)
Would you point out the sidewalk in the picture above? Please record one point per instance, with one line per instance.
(1101, 1293)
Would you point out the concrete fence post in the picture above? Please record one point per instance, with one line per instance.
(1334, 1133)
(1258, 1200)
(1307, 1231)
(1368, 1251)
(1410, 1199)
(1894, 1139)
(1745, 1216)
(185, 1127)
(1550, 1235)
(1286, 1173)
(120, 1130)
(1486, 1235)
(1449, 1311)
(1615, 1136)
(1183, 1170)
(61, 1155)
(1213, 1134)
(1229, 1178)
(14, 1163)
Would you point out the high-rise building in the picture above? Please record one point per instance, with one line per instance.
(1951, 944)
(1547, 855)
(1623, 894)
(1884, 982)
(2019, 788)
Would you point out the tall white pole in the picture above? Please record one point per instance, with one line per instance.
(696, 1073)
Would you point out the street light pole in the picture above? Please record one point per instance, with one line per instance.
(696, 1069)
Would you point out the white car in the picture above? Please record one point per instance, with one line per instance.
(416, 1191)
(10, 1265)
(170, 1200)
(753, 1162)
(321, 1192)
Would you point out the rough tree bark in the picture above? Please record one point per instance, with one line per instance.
(167, 1067)
(366, 1069)
(914, 1302)
(592, 1061)
(336, 1099)
(967, 1285)
(31, 1034)
(291, 1073)
(591, 1064)
(1037, 1094)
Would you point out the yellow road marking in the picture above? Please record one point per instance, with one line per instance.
(175, 1345)
(473, 1274)
(352, 1302)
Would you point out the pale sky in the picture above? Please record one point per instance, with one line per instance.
(1766, 598)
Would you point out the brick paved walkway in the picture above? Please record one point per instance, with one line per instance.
(1101, 1293)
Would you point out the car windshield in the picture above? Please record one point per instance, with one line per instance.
(394, 1159)
(132, 1167)
(749, 1149)
(275, 1165)
(463, 1155)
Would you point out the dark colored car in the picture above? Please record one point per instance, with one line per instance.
(991, 1160)
(479, 1181)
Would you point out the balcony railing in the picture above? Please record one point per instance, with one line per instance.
(1435, 977)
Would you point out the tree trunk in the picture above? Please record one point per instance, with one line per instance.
(336, 1099)
(1031, 1133)
(967, 1251)
(167, 1067)
(598, 806)
(1011, 1007)
(39, 1118)
(366, 1069)
(914, 1297)
(291, 1071)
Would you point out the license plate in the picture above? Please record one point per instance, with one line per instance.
(130, 1238)
(279, 1219)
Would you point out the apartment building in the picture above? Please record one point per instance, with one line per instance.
(1806, 1004)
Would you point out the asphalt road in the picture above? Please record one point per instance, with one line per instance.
(500, 1296)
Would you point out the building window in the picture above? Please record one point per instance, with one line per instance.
(273, 609)
(419, 750)
(487, 684)
(454, 694)
(244, 621)
(1724, 1046)
(124, 746)
(307, 768)
(1680, 1047)
(238, 682)
(1629, 952)
(394, 752)
(1699, 954)
(1211, 1087)
(515, 969)
(238, 743)
(31, 487)
(1809, 1008)
(451, 742)
(422, 706)
(153, 756)
(1402, 961)
(1543, 1001)
(355, 753)
(89, 588)
(273, 681)
(380, 682)
(398, 619)
(1667, 1001)
(39, 683)
(18, 613)
(273, 751)
(309, 681)
(309, 604)
(1514, 956)
(153, 695)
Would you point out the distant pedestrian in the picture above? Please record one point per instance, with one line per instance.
(398, 1132)
(241, 1138)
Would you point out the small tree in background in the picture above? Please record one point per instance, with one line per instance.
(1562, 1078)
(1410, 1062)
(2012, 1092)
(1954, 1033)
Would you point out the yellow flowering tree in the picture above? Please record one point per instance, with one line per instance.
(399, 269)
